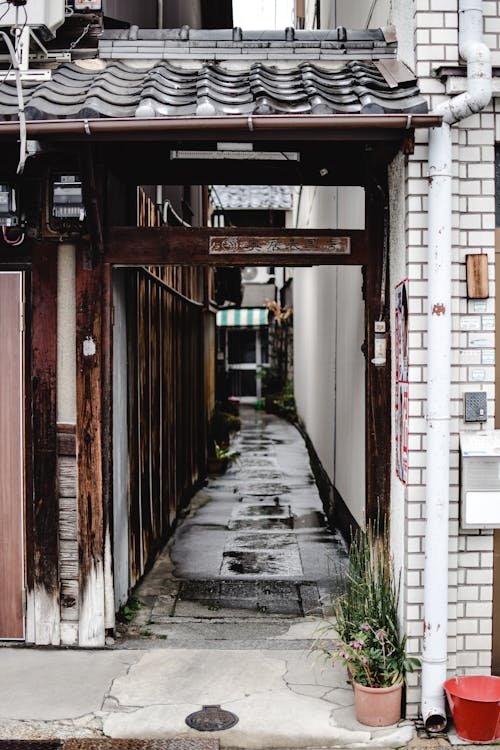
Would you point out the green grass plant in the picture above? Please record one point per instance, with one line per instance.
(364, 633)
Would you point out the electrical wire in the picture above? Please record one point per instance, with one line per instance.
(84, 33)
(168, 206)
(18, 241)
(23, 153)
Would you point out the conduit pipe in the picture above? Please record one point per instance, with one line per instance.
(478, 94)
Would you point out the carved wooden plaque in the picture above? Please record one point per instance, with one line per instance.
(279, 245)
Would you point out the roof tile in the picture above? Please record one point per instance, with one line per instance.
(241, 85)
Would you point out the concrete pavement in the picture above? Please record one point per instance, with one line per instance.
(281, 699)
(228, 617)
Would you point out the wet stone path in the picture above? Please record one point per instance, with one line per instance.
(252, 560)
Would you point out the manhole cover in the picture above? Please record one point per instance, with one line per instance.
(211, 719)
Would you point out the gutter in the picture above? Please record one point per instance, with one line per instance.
(476, 97)
(200, 127)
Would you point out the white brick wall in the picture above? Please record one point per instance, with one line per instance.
(470, 558)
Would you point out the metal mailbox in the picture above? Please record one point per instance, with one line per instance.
(480, 480)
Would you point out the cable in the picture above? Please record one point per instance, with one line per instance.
(23, 154)
(18, 241)
(84, 32)
(166, 206)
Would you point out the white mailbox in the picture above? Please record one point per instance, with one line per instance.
(480, 480)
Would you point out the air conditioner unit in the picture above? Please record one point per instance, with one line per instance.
(257, 275)
(44, 15)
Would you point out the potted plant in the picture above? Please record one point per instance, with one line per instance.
(222, 424)
(364, 632)
(222, 455)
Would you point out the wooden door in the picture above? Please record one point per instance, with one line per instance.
(11, 458)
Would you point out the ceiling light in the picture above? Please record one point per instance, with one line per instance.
(235, 154)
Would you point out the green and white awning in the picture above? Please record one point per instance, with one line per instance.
(245, 316)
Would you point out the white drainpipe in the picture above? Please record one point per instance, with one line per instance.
(478, 94)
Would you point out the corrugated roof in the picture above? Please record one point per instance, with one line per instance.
(164, 89)
(256, 197)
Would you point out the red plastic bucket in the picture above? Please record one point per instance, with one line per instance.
(474, 702)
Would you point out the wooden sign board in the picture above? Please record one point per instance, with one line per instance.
(234, 245)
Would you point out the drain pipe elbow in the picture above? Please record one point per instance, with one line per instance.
(478, 58)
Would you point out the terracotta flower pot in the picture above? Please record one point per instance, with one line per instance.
(217, 465)
(378, 707)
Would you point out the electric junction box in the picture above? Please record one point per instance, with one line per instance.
(480, 480)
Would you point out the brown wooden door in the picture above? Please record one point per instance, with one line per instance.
(11, 458)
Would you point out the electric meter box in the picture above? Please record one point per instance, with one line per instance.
(480, 480)
(45, 15)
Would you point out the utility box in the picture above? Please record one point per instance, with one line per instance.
(480, 480)
(45, 15)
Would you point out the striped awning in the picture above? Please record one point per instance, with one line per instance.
(246, 316)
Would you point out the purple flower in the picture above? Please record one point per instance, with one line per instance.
(365, 627)
(363, 660)
(380, 636)
(357, 645)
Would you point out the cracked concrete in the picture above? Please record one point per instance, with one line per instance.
(209, 633)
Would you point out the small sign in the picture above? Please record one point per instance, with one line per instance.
(88, 4)
(488, 322)
(488, 357)
(480, 306)
(279, 245)
(477, 373)
(470, 324)
(89, 348)
(484, 340)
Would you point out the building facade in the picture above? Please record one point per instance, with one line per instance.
(428, 42)
(359, 161)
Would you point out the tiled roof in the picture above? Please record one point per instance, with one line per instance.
(96, 89)
(262, 197)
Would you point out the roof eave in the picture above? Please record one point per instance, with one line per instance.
(247, 127)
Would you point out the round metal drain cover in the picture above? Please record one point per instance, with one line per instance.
(211, 719)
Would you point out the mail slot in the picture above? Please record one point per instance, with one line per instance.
(480, 480)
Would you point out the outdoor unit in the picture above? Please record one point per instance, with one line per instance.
(480, 480)
(44, 15)
(257, 275)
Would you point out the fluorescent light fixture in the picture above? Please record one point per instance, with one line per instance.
(235, 147)
(245, 155)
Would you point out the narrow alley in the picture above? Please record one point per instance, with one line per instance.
(252, 557)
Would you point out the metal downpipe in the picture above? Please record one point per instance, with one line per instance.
(434, 656)
(477, 96)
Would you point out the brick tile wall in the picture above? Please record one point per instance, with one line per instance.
(470, 558)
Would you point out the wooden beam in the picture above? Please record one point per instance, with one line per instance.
(93, 201)
(180, 246)
(89, 448)
(44, 585)
(378, 394)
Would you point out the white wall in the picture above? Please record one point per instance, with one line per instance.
(355, 15)
(328, 334)
(350, 392)
(66, 335)
(120, 442)
(314, 357)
